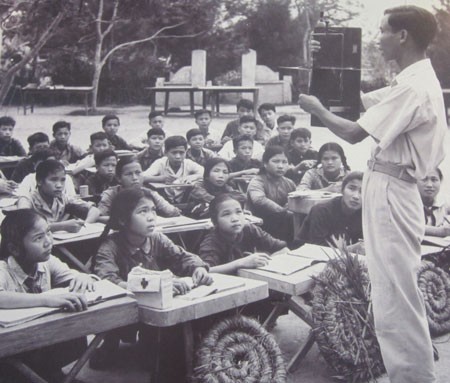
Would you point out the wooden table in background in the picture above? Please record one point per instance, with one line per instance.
(215, 90)
(61, 327)
(170, 89)
(29, 94)
(185, 312)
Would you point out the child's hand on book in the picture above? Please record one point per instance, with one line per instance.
(201, 277)
(180, 287)
(73, 225)
(81, 283)
(68, 301)
(255, 260)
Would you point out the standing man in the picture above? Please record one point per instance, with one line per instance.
(407, 122)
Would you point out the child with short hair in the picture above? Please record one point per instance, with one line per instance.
(244, 107)
(247, 126)
(243, 163)
(154, 149)
(340, 216)
(50, 201)
(329, 171)
(105, 176)
(136, 243)
(64, 151)
(9, 146)
(436, 205)
(285, 126)
(156, 121)
(300, 155)
(196, 151)
(234, 243)
(27, 271)
(215, 178)
(267, 194)
(111, 124)
(203, 118)
(174, 167)
(268, 114)
(38, 142)
(129, 175)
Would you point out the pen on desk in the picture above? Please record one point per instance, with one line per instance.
(446, 219)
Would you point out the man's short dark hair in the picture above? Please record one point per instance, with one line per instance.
(174, 141)
(198, 113)
(98, 136)
(266, 106)
(155, 132)
(193, 132)
(420, 23)
(286, 117)
(242, 137)
(100, 157)
(60, 125)
(109, 117)
(245, 119)
(37, 138)
(7, 121)
(245, 103)
(154, 114)
(300, 132)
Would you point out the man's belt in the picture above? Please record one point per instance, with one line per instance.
(393, 170)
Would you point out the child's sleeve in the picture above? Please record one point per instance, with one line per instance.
(155, 169)
(163, 207)
(316, 227)
(210, 251)
(265, 241)
(105, 265)
(19, 149)
(200, 194)
(60, 273)
(257, 195)
(105, 202)
(178, 260)
(307, 180)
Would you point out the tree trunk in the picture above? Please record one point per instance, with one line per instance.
(98, 66)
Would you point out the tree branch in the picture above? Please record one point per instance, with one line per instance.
(130, 43)
(113, 19)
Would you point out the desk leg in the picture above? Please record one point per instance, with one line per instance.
(188, 335)
(24, 102)
(191, 101)
(84, 358)
(26, 371)
(86, 102)
(166, 102)
(204, 99)
(68, 255)
(217, 104)
(155, 362)
(152, 100)
(255, 101)
(274, 314)
(300, 354)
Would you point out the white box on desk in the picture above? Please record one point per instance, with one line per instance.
(151, 288)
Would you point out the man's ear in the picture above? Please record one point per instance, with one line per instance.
(12, 249)
(403, 35)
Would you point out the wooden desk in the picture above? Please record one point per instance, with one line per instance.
(294, 286)
(7, 162)
(29, 94)
(185, 312)
(167, 90)
(216, 90)
(61, 327)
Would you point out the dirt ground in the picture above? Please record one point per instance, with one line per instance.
(290, 331)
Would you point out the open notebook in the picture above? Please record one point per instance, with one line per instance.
(221, 283)
(437, 241)
(88, 229)
(286, 264)
(104, 290)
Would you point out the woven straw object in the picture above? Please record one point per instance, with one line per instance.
(343, 321)
(239, 349)
(435, 286)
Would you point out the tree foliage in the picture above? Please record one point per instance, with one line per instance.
(439, 51)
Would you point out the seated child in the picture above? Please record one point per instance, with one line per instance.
(154, 149)
(129, 175)
(436, 206)
(340, 216)
(203, 120)
(105, 177)
(65, 152)
(267, 194)
(29, 185)
(243, 163)
(300, 155)
(99, 143)
(329, 171)
(247, 126)
(135, 242)
(244, 107)
(174, 168)
(285, 126)
(196, 151)
(9, 146)
(234, 243)
(214, 183)
(27, 271)
(268, 114)
(37, 142)
(111, 124)
(50, 201)
(156, 121)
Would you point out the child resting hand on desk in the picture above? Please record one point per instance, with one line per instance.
(27, 271)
